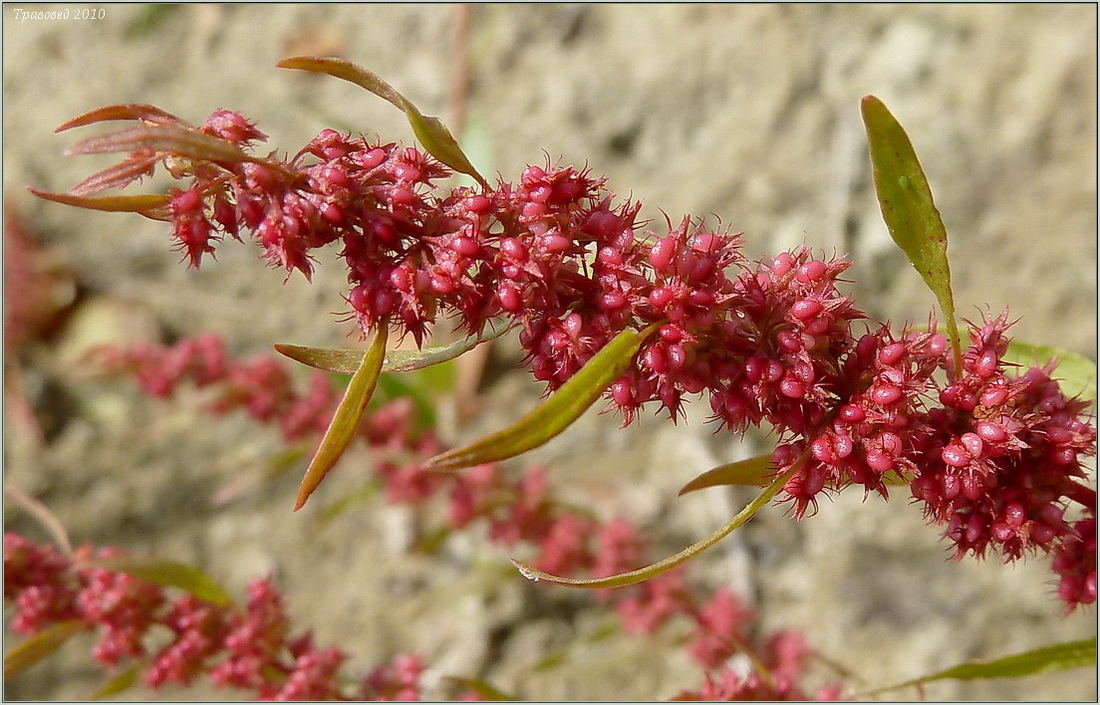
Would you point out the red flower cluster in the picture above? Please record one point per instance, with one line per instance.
(248, 648)
(994, 456)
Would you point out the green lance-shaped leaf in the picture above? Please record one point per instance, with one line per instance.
(652, 571)
(40, 646)
(432, 133)
(1075, 373)
(347, 360)
(753, 472)
(908, 209)
(130, 204)
(1047, 659)
(166, 572)
(345, 421)
(118, 683)
(555, 414)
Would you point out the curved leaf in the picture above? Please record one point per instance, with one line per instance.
(347, 360)
(1058, 657)
(652, 571)
(555, 414)
(130, 204)
(118, 176)
(44, 516)
(166, 572)
(127, 111)
(908, 209)
(40, 646)
(179, 141)
(119, 683)
(345, 421)
(753, 472)
(432, 133)
(1075, 372)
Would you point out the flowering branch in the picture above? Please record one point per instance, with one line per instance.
(994, 456)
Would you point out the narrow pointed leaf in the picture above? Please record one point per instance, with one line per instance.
(130, 204)
(347, 360)
(1058, 657)
(118, 176)
(166, 572)
(346, 419)
(40, 646)
(753, 472)
(652, 571)
(907, 207)
(555, 414)
(118, 683)
(179, 141)
(1075, 372)
(432, 133)
(127, 111)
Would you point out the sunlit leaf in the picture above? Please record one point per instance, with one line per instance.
(345, 421)
(120, 682)
(165, 572)
(128, 111)
(432, 133)
(1075, 372)
(1058, 657)
(40, 646)
(483, 688)
(652, 571)
(753, 472)
(555, 414)
(347, 360)
(131, 204)
(908, 209)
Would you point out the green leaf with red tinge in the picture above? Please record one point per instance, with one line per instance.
(753, 472)
(118, 176)
(126, 111)
(180, 141)
(40, 646)
(555, 414)
(1047, 659)
(165, 572)
(345, 421)
(652, 571)
(347, 360)
(432, 133)
(908, 209)
(131, 204)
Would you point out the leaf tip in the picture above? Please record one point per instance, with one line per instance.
(292, 62)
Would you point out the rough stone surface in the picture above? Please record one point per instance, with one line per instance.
(747, 112)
